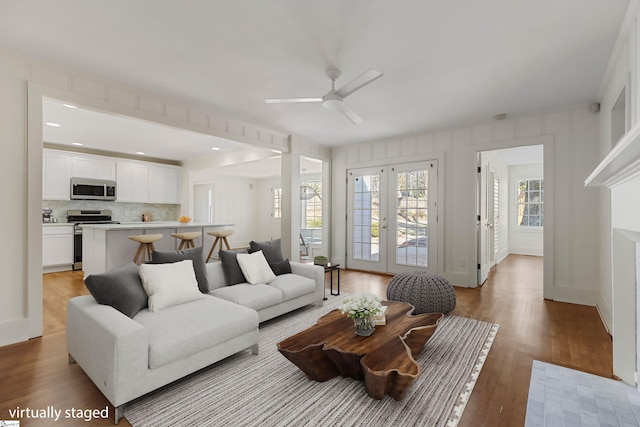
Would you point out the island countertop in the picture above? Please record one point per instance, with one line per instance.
(107, 247)
(150, 225)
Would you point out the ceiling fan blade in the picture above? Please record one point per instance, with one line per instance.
(291, 100)
(350, 113)
(360, 81)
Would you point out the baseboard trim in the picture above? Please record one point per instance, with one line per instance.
(14, 331)
(576, 295)
(604, 310)
(527, 251)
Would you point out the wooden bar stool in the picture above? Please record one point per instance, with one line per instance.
(146, 245)
(221, 236)
(186, 239)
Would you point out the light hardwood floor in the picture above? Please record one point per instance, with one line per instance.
(35, 374)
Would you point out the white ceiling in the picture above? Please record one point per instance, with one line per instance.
(100, 131)
(445, 63)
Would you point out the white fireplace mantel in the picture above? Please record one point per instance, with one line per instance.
(621, 164)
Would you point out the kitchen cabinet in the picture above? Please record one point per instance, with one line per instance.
(132, 179)
(57, 247)
(95, 167)
(56, 174)
(60, 166)
(143, 182)
(137, 181)
(164, 184)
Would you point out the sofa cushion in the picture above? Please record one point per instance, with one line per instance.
(232, 271)
(282, 267)
(293, 286)
(195, 255)
(121, 289)
(169, 284)
(256, 297)
(255, 268)
(183, 330)
(271, 249)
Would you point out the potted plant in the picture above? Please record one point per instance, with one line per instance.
(362, 309)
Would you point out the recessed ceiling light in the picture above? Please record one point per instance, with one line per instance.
(140, 152)
(215, 148)
(77, 143)
(69, 106)
(55, 125)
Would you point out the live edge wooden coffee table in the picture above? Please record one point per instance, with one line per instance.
(385, 360)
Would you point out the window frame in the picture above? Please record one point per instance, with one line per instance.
(317, 205)
(518, 203)
(276, 202)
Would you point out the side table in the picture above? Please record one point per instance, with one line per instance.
(331, 268)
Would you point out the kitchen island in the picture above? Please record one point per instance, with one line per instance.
(107, 246)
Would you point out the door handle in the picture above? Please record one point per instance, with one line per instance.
(384, 226)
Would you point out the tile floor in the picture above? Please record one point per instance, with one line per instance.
(567, 398)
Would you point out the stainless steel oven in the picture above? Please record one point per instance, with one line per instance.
(79, 217)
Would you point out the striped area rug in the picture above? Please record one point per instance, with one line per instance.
(268, 390)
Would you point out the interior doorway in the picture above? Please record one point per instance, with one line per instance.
(203, 202)
(509, 205)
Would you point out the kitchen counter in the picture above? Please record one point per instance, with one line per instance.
(56, 224)
(107, 246)
(152, 225)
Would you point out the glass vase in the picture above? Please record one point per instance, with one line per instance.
(365, 325)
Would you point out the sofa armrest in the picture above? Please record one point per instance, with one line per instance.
(110, 347)
(314, 272)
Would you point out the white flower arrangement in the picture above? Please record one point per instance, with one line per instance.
(361, 306)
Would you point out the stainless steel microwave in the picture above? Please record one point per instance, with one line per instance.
(92, 189)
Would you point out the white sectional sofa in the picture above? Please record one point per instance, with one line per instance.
(129, 357)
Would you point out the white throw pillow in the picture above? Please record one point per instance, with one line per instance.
(169, 284)
(255, 268)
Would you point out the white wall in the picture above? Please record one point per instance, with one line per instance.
(235, 201)
(14, 304)
(569, 137)
(521, 241)
(623, 71)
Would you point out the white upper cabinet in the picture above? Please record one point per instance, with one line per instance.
(96, 167)
(60, 166)
(56, 175)
(137, 181)
(144, 182)
(132, 179)
(163, 184)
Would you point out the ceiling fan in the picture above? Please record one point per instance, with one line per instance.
(334, 99)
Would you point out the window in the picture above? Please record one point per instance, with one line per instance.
(276, 203)
(529, 203)
(313, 205)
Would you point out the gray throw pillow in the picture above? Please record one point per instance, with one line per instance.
(271, 249)
(121, 289)
(194, 254)
(282, 267)
(230, 267)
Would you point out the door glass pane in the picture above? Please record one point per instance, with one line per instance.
(366, 217)
(412, 215)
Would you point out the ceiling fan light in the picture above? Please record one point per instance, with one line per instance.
(332, 101)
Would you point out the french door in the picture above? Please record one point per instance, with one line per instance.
(392, 218)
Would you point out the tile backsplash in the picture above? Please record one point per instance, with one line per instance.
(123, 212)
